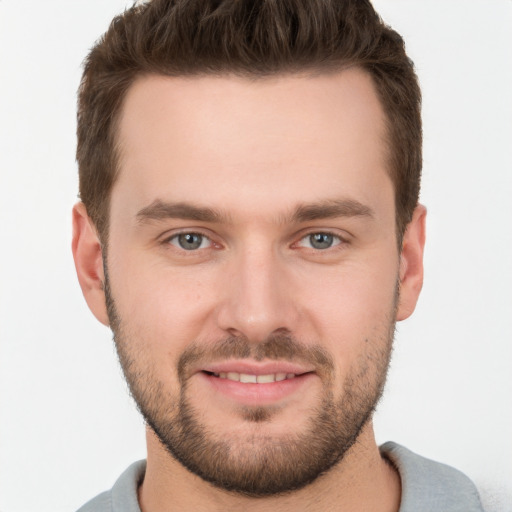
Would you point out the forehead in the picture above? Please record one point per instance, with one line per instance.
(242, 142)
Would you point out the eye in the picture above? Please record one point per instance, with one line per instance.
(320, 241)
(190, 241)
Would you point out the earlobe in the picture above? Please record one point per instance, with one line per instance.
(411, 263)
(87, 254)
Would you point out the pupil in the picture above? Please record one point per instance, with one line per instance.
(190, 241)
(321, 240)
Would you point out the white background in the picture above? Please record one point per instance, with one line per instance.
(67, 425)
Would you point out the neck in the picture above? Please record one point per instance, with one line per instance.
(362, 481)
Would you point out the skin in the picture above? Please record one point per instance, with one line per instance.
(255, 152)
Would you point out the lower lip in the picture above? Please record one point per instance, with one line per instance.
(257, 394)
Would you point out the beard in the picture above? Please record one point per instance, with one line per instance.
(257, 464)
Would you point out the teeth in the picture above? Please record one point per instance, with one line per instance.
(253, 379)
(264, 379)
(244, 377)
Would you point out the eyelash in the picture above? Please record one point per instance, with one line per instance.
(337, 241)
(175, 236)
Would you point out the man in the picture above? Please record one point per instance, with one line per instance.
(250, 230)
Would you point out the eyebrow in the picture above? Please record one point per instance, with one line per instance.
(160, 210)
(330, 209)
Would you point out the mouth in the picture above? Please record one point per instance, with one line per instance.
(255, 384)
(248, 378)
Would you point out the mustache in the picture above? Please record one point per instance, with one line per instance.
(275, 347)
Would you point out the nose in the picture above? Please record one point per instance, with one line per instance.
(257, 299)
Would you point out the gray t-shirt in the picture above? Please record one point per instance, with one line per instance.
(427, 486)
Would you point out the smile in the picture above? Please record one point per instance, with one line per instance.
(251, 384)
(247, 378)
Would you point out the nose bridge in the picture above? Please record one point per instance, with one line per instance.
(257, 302)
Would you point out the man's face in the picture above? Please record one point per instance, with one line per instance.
(253, 270)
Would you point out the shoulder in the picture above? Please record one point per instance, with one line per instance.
(123, 495)
(428, 485)
(101, 503)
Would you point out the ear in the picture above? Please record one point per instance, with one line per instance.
(89, 262)
(411, 263)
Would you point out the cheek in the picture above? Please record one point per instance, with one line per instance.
(354, 297)
(353, 312)
(162, 308)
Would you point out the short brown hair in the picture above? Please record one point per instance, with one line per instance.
(248, 38)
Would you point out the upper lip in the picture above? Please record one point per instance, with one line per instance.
(255, 367)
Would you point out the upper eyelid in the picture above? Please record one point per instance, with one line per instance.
(330, 233)
(344, 236)
(322, 231)
(168, 235)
